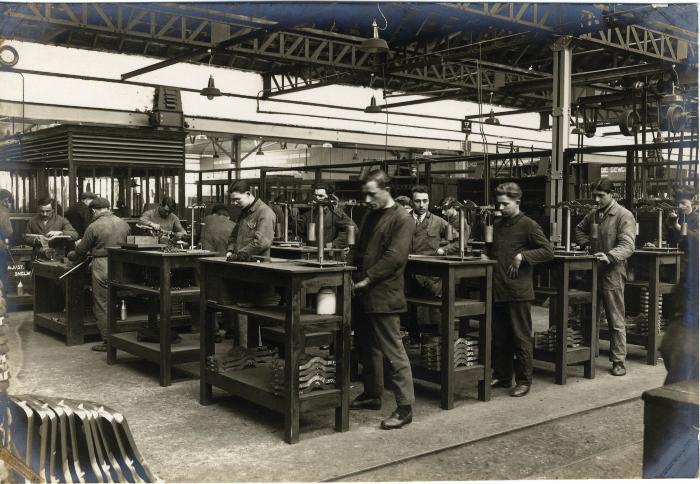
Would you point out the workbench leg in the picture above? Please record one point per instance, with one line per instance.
(342, 357)
(111, 323)
(447, 341)
(562, 322)
(207, 328)
(74, 303)
(293, 340)
(591, 326)
(653, 323)
(485, 335)
(165, 299)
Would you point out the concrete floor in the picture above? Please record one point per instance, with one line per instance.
(232, 440)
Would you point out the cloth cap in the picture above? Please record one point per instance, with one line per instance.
(87, 195)
(604, 185)
(99, 203)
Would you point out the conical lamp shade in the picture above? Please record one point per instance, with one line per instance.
(211, 91)
(373, 108)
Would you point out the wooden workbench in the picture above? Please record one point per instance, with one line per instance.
(558, 273)
(305, 252)
(451, 272)
(59, 305)
(128, 270)
(649, 264)
(220, 280)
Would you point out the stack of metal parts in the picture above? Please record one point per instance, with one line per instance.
(547, 340)
(315, 373)
(643, 322)
(466, 352)
(238, 358)
(54, 439)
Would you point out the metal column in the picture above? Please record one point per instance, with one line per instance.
(561, 110)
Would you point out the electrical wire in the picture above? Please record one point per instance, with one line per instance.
(386, 22)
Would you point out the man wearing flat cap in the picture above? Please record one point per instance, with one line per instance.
(79, 214)
(609, 231)
(106, 230)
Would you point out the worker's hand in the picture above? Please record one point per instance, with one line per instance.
(602, 257)
(72, 256)
(54, 233)
(483, 256)
(359, 286)
(514, 266)
(440, 251)
(230, 256)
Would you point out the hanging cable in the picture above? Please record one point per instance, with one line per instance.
(386, 22)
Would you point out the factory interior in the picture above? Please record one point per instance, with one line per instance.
(348, 241)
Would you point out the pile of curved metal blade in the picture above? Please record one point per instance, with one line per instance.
(62, 440)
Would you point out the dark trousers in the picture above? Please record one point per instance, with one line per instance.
(378, 338)
(4, 261)
(100, 293)
(512, 336)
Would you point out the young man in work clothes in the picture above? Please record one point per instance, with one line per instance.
(380, 256)
(518, 244)
(105, 230)
(251, 236)
(609, 231)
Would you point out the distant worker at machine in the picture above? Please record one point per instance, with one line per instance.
(163, 218)
(404, 202)
(79, 214)
(106, 230)
(609, 233)
(518, 245)
(6, 231)
(451, 214)
(47, 223)
(335, 220)
(251, 237)
(380, 256)
(683, 223)
(431, 237)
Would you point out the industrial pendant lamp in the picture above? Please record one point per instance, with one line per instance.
(492, 119)
(260, 151)
(373, 108)
(211, 91)
(327, 145)
(375, 44)
(427, 153)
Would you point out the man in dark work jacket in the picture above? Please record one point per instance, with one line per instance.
(79, 214)
(380, 255)
(518, 244)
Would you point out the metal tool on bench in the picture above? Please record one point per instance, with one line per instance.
(660, 207)
(568, 207)
(199, 209)
(318, 235)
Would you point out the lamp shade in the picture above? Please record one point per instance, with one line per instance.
(211, 91)
(373, 108)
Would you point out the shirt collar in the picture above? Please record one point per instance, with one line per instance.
(251, 208)
(419, 219)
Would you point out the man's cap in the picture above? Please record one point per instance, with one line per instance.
(99, 203)
(604, 185)
(85, 195)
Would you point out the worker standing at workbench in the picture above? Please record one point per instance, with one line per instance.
(431, 237)
(609, 231)
(252, 236)
(381, 255)
(335, 221)
(47, 223)
(79, 214)
(518, 244)
(164, 218)
(106, 230)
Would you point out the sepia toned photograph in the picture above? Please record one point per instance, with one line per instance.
(358, 241)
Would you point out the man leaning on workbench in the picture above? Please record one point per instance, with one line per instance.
(105, 230)
(251, 238)
(609, 232)
(518, 244)
(380, 256)
(163, 218)
(47, 223)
